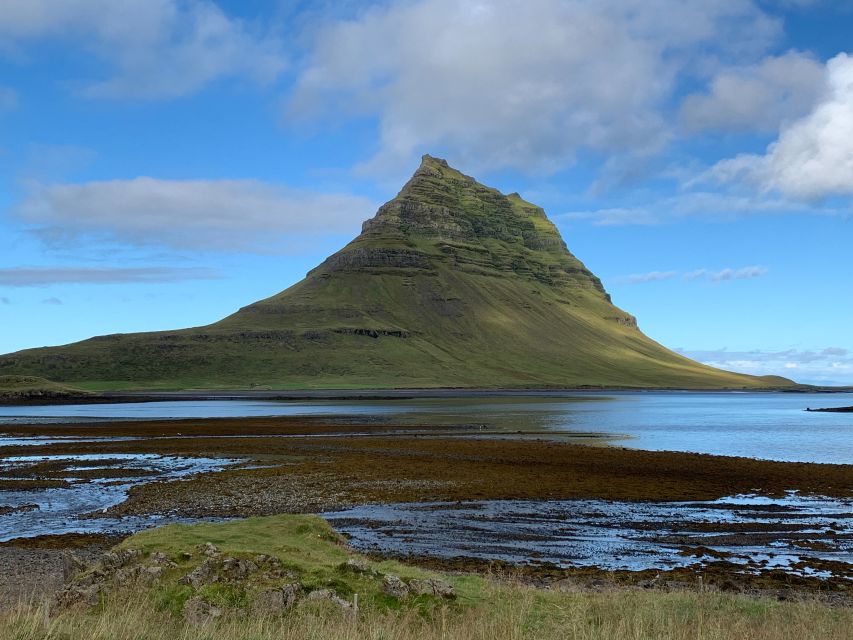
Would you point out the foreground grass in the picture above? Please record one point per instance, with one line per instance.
(482, 609)
(509, 612)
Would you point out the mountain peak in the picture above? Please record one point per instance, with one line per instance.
(444, 217)
(451, 283)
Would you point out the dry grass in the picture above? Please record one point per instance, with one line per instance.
(512, 612)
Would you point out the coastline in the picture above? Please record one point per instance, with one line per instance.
(314, 465)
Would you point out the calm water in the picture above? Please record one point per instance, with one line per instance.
(761, 425)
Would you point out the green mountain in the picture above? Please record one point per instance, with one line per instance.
(450, 284)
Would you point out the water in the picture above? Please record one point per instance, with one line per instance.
(69, 508)
(772, 426)
(792, 534)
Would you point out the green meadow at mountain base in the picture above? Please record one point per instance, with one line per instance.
(450, 284)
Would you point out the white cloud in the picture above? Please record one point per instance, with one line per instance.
(830, 366)
(758, 97)
(43, 276)
(158, 48)
(208, 214)
(813, 156)
(500, 83)
(721, 275)
(651, 276)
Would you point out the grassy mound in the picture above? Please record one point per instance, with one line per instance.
(303, 550)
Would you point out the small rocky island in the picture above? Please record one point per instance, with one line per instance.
(831, 410)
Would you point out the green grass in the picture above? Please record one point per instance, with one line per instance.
(456, 285)
(24, 386)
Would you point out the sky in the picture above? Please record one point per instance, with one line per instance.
(165, 162)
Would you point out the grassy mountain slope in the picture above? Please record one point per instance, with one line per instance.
(451, 284)
(25, 388)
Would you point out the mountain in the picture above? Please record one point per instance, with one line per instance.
(450, 284)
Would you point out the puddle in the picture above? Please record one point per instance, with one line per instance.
(796, 534)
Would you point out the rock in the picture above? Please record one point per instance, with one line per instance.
(327, 595)
(291, 592)
(209, 549)
(263, 560)
(151, 574)
(158, 557)
(126, 576)
(113, 560)
(203, 574)
(198, 611)
(79, 595)
(235, 569)
(268, 602)
(393, 586)
(95, 576)
(276, 601)
(138, 575)
(356, 566)
(431, 587)
(71, 566)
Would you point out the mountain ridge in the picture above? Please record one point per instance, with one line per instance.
(450, 284)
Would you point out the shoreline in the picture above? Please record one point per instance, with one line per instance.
(401, 393)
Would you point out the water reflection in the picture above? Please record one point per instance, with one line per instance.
(761, 425)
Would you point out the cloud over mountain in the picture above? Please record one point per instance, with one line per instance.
(554, 78)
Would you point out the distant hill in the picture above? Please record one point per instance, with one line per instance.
(450, 284)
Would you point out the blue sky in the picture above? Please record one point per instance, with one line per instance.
(164, 162)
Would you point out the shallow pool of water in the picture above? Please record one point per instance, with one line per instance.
(797, 534)
(67, 509)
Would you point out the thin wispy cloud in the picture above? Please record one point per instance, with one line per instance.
(651, 276)
(708, 275)
(40, 277)
(52, 302)
(830, 366)
(703, 205)
(722, 275)
(154, 49)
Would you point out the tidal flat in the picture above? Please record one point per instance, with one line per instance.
(159, 471)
